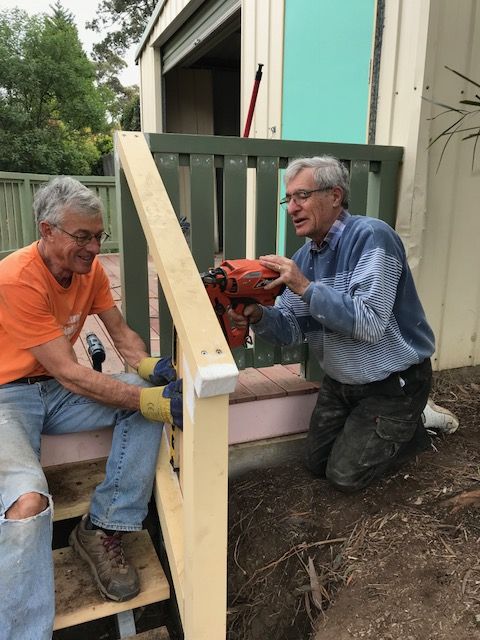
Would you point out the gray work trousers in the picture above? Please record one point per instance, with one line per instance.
(360, 432)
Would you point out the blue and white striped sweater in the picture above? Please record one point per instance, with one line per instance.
(361, 313)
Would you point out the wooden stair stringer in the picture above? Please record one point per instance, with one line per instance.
(169, 501)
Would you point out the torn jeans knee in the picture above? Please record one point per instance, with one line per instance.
(27, 596)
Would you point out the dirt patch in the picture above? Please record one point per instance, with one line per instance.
(393, 562)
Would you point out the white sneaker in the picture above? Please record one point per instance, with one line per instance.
(439, 419)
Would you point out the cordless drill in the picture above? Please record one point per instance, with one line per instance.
(96, 350)
(235, 284)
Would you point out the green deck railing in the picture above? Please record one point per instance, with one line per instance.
(17, 226)
(205, 175)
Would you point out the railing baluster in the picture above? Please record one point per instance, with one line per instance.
(264, 353)
(203, 209)
(168, 167)
(133, 254)
(358, 186)
(388, 188)
(112, 214)
(266, 206)
(13, 232)
(234, 206)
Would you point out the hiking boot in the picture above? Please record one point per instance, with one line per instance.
(116, 579)
(438, 419)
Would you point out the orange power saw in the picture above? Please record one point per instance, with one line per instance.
(237, 283)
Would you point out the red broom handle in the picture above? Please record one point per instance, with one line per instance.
(253, 100)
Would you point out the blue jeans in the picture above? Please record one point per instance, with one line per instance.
(27, 596)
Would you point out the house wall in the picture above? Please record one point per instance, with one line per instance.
(324, 72)
(262, 43)
(326, 68)
(165, 15)
(163, 20)
(151, 111)
(438, 204)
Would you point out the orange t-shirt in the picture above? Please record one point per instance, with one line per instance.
(35, 308)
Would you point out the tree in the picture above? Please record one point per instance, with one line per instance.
(124, 22)
(128, 18)
(130, 119)
(50, 108)
(117, 97)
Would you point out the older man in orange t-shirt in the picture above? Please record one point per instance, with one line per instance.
(47, 290)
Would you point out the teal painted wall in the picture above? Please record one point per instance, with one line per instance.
(326, 65)
(327, 51)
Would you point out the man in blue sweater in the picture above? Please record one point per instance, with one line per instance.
(350, 294)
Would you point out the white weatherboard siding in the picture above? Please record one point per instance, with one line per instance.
(157, 31)
(150, 91)
(438, 216)
(262, 43)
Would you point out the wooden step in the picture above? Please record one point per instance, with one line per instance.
(72, 485)
(77, 596)
(160, 633)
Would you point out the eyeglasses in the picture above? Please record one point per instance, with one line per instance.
(300, 196)
(85, 238)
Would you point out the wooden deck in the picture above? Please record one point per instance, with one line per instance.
(254, 384)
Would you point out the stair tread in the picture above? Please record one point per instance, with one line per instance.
(72, 484)
(77, 596)
(160, 633)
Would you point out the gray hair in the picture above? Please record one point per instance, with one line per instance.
(59, 194)
(327, 172)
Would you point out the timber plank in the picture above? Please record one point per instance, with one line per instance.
(71, 486)
(161, 633)
(260, 386)
(294, 368)
(78, 599)
(117, 292)
(293, 384)
(155, 345)
(113, 361)
(170, 509)
(80, 349)
(152, 279)
(109, 263)
(154, 306)
(241, 394)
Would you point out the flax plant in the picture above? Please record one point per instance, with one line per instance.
(463, 115)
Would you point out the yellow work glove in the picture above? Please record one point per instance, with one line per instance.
(163, 404)
(158, 371)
